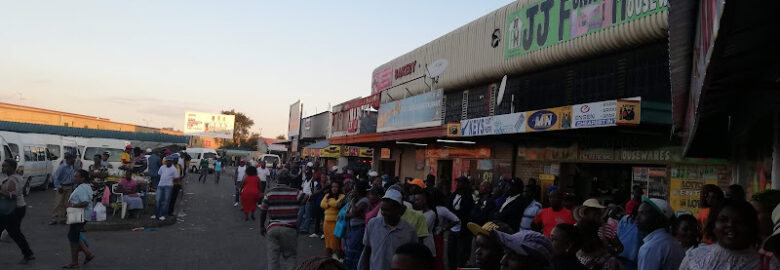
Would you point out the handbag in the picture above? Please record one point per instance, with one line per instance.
(75, 215)
(341, 222)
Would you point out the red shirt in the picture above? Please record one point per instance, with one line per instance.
(550, 218)
(630, 206)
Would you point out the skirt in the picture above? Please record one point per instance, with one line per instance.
(249, 202)
(134, 203)
(331, 242)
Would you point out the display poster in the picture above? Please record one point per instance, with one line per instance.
(382, 79)
(384, 153)
(209, 124)
(685, 188)
(418, 111)
(629, 112)
(333, 151)
(546, 23)
(652, 180)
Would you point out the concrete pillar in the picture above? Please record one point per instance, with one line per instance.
(776, 153)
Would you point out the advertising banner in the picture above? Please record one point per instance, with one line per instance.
(209, 124)
(382, 79)
(596, 114)
(685, 188)
(384, 153)
(549, 119)
(652, 180)
(629, 112)
(366, 152)
(419, 111)
(332, 151)
(294, 124)
(549, 22)
(494, 125)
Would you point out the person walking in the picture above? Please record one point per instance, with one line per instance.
(304, 213)
(63, 186)
(167, 174)
(217, 170)
(80, 198)
(280, 206)
(250, 193)
(204, 170)
(240, 173)
(11, 188)
(177, 183)
(330, 204)
(153, 165)
(659, 249)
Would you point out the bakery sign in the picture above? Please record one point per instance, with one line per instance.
(405, 70)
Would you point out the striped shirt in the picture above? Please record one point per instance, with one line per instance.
(282, 203)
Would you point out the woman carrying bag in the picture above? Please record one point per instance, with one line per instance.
(79, 212)
(13, 207)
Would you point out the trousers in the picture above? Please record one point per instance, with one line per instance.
(61, 203)
(13, 223)
(282, 248)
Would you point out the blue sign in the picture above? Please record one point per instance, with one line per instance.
(542, 120)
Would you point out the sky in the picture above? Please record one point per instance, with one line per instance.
(146, 62)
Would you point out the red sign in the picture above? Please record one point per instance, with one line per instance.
(405, 69)
(382, 80)
(372, 100)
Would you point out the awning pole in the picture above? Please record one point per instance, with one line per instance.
(776, 152)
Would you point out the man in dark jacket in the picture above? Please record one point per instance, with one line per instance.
(459, 243)
(484, 209)
(511, 211)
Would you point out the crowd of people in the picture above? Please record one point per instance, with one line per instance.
(369, 221)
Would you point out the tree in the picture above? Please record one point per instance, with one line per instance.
(281, 137)
(251, 142)
(242, 126)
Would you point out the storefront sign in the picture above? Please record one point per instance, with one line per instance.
(629, 112)
(419, 111)
(382, 80)
(596, 114)
(663, 154)
(547, 153)
(405, 70)
(384, 153)
(366, 152)
(494, 125)
(549, 119)
(652, 180)
(597, 154)
(332, 151)
(476, 152)
(550, 22)
(453, 129)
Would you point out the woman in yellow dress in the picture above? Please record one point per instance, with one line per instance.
(330, 204)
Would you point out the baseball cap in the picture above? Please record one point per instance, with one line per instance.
(659, 205)
(526, 243)
(128, 147)
(148, 150)
(309, 164)
(418, 182)
(395, 195)
(488, 227)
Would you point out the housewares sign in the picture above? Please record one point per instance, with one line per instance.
(419, 111)
(550, 22)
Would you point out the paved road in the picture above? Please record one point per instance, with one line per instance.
(210, 234)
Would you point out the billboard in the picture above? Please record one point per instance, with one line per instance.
(294, 126)
(419, 111)
(209, 124)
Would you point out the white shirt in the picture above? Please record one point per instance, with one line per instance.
(306, 186)
(241, 173)
(456, 206)
(167, 174)
(263, 173)
(19, 187)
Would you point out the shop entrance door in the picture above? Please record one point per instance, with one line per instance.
(387, 167)
(444, 171)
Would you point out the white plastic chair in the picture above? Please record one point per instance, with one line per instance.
(120, 201)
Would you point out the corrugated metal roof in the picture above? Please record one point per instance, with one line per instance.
(91, 133)
(318, 145)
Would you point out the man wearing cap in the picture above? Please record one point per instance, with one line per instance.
(167, 174)
(105, 163)
(63, 186)
(385, 233)
(280, 207)
(488, 251)
(659, 250)
(527, 250)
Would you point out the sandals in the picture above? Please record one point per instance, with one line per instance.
(88, 259)
(70, 266)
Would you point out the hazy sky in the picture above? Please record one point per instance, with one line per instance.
(146, 62)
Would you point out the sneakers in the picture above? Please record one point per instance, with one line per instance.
(154, 217)
(235, 204)
(162, 218)
(313, 235)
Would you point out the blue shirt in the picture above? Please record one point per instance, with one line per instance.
(630, 237)
(154, 164)
(218, 166)
(660, 251)
(64, 175)
(83, 193)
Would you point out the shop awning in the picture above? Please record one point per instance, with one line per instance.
(318, 145)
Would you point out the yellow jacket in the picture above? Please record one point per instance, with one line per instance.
(330, 206)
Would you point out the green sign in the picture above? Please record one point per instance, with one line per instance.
(549, 22)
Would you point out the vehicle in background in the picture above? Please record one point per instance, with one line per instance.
(98, 146)
(270, 160)
(33, 157)
(201, 153)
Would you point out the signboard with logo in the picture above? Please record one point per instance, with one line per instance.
(453, 129)
(549, 119)
(294, 124)
(419, 111)
(550, 22)
(685, 188)
(332, 151)
(494, 125)
(384, 153)
(596, 114)
(209, 124)
(629, 112)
